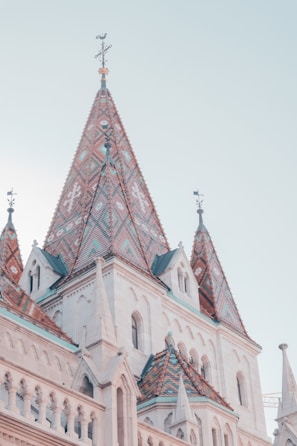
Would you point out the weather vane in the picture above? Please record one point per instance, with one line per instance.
(11, 199)
(103, 51)
(199, 200)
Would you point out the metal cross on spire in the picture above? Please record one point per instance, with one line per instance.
(101, 56)
(11, 199)
(199, 200)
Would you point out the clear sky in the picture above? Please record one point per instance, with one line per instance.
(207, 94)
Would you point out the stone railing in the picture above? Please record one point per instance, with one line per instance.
(49, 406)
(150, 436)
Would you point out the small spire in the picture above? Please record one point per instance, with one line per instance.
(108, 133)
(101, 56)
(199, 202)
(288, 404)
(11, 201)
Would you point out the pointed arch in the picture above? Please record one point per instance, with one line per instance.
(228, 437)
(87, 387)
(166, 321)
(177, 325)
(182, 350)
(194, 359)
(241, 389)
(189, 331)
(193, 438)
(168, 422)
(57, 318)
(120, 417)
(205, 368)
(9, 340)
(137, 330)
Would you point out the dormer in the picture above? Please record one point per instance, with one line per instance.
(174, 269)
(42, 270)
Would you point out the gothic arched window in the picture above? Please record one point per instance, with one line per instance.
(241, 389)
(134, 332)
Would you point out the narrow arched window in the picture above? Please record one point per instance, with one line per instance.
(135, 333)
(214, 437)
(30, 282)
(180, 280)
(38, 276)
(186, 284)
(241, 389)
(205, 368)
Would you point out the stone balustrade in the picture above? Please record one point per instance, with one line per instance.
(150, 436)
(49, 406)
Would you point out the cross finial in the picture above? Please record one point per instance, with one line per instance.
(11, 199)
(101, 56)
(199, 202)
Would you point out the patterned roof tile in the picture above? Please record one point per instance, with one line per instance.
(161, 379)
(105, 207)
(216, 299)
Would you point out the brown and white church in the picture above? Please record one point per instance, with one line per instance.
(108, 337)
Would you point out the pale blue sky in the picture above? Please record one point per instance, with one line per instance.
(207, 94)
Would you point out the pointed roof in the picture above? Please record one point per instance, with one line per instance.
(15, 300)
(10, 255)
(183, 410)
(288, 402)
(161, 378)
(102, 312)
(105, 208)
(216, 299)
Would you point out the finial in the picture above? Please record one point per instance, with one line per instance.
(199, 202)
(283, 347)
(101, 56)
(11, 200)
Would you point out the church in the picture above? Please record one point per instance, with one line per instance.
(109, 337)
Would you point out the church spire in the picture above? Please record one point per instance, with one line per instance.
(215, 296)
(10, 255)
(105, 208)
(288, 403)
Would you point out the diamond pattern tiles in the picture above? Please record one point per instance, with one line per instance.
(10, 256)
(15, 300)
(215, 296)
(162, 379)
(105, 207)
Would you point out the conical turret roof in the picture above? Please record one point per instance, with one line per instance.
(10, 255)
(161, 378)
(105, 208)
(215, 296)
